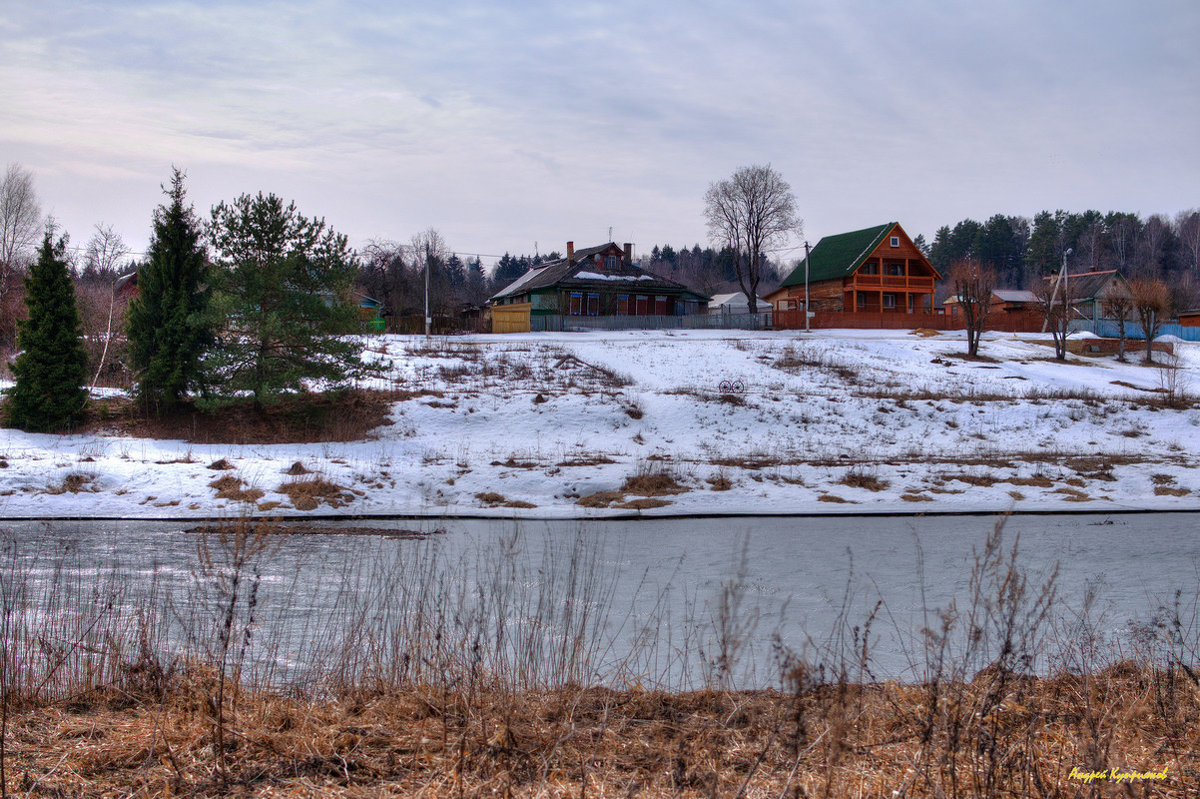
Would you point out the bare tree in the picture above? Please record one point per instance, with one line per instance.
(104, 253)
(1151, 302)
(1056, 301)
(20, 224)
(749, 213)
(1187, 227)
(1119, 306)
(973, 283)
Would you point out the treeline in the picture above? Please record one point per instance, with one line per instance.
(1021, 250)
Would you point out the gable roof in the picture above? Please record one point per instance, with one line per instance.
(1088, 285)
(838, 256)
(579, 273)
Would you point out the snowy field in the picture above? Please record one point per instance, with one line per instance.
(682, 422)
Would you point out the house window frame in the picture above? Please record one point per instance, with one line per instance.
(660, 305)
(593, 304)
(860, 301)
(870, 268)
(575, 307)
(641, 305)
(887, 302)
(611, 262)
(894, 269)
(895, 241)
(622, 305)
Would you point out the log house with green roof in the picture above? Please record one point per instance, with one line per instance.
(876, 270)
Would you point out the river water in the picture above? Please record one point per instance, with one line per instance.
(678, 603)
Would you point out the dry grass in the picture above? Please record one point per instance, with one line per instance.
(491, 498)
(644, 503)
(819, 741)
(652, 484)
(311, 493)
(831, 498)
(858, 478)
(220, 466)
(601, 499)
(720, 483)
(232, 488)
(916, 497)
(1170, 491)
(345, 416)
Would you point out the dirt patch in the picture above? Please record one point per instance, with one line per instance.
(340, 416)
(309, 494)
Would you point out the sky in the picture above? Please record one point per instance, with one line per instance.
(522, 125)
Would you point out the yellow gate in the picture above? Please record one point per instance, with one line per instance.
(511, 318)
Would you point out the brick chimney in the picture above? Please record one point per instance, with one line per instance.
(628, 255)
(570, 251)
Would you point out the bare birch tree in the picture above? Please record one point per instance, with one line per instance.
(749, 213)
(1119, 307)
(20, 223)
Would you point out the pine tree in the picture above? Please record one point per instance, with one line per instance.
(51, 370)
(167, 327)
(283, 287)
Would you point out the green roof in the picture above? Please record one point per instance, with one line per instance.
(838, 256)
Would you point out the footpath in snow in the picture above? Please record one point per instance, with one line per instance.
(600, 424)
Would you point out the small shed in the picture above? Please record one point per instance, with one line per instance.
(736, 303)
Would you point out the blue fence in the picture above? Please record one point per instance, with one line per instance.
(1110, 329)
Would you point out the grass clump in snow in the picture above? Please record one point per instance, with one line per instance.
(309, 494)
(230, 487)
(861, 478)
(492, 500)
(74, 483)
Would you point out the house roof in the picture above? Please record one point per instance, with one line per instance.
(735, 298)
(838, 256)
(580, 273)
(1014, 295)
(1086, 285)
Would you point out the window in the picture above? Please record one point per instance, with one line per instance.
(622, 305)
(889, 301)
(660, 306)
(640, 305)
(895, 269)
(895, 242)
(611, 262)
(576, 303)
(593, 305)
(870, 269)
(791, 305)
(862, 300)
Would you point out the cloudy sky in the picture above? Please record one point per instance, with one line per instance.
(509, 124)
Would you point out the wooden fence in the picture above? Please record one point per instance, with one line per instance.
(1006, 322)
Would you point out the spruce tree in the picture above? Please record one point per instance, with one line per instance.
(167, 326)
(51, 371)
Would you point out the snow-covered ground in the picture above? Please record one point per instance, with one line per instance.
(834, 421)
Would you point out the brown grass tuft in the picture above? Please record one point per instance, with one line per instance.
(490, 498)
(1170, 491)
(655, 484)
(220, 466)
(601, 499)
(857, 478)
(230, 487)
(643, 504)
(297, 468)
(74, 483)
(309, 494)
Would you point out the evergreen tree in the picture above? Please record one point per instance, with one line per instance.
(283, 285)
(51, 370)
(167, 328)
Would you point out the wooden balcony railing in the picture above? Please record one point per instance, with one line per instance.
(876, 282)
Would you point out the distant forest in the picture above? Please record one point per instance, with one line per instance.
(1021, 250)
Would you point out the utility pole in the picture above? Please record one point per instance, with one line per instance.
(806, 330)
(427, 317)
(1064, 282)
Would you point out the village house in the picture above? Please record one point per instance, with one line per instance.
(594, 281)
(877, 270)
(1004, 302)
(1090, 292)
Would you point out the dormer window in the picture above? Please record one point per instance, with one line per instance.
(895, 242)
(611, 261)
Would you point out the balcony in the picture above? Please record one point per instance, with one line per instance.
(891, 283)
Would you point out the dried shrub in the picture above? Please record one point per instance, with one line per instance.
(74, 483)
(720, 483)
(652, 484)
(220, 466)
(230, 487)
(297, 468)
(490, 498)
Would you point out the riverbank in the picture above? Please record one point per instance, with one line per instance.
(645, 423)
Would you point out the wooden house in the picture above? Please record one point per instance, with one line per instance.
(1190, 318)
(1004, 302)
(1090, 291)
(871, 271)
(598, 281)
